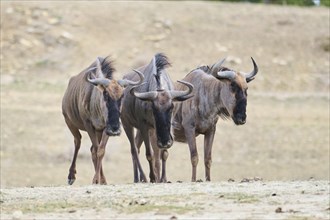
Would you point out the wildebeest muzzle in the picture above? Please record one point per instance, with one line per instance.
(113, 130)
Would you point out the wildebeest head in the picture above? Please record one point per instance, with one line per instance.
(162, 101)
(112, 92)
(234, 91)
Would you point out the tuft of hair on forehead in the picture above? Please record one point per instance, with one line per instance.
(161, 62)
(115, 90)
(107, 67)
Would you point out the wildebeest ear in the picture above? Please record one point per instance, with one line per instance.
(217, 65)
(99, 72)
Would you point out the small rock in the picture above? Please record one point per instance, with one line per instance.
(173, 218)
(72, 211)
(88, 192)
(143, 202)
(231, 180)
(245, 180)
(221, 196)
(279, 210)
(179, 181)
(274, 194)
(257, 178)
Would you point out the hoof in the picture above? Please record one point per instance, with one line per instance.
(71, 181)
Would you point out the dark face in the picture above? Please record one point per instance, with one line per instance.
(162, 108)
(239, 111)
(113, 107)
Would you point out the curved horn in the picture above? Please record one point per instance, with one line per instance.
(99, 81)
(218, 64)
(250, 76)
(226, 75)
(145, 96)
(182, 95)
(126, 82)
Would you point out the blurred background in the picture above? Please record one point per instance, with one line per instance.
(286, 136)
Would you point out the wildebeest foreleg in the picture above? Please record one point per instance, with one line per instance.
(208, 142)
(150, 156)
(100, 154)
(157, 151)
(94, 151)
(103, 179)
(77, 141)
(164, 156)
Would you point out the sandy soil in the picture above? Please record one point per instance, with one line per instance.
(222, 200)
(286, 137)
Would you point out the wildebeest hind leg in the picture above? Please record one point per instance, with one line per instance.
(191, 139)
(135, 157)
(138, 142)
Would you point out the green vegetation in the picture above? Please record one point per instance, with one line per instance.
(242, 198)
(164, 209)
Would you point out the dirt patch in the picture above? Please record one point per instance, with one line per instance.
(249, 200)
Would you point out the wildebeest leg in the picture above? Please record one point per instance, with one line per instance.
(94, 149)
(149, 155)
(164, 156)
(103, 179)
(191, 139)
(100, 155)
(77, 141)
(138, 141)
(208, 142)
(135, 157)
(157, 151)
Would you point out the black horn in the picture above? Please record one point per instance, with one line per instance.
(250, 76)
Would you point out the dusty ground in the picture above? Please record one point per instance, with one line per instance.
(222, 200)
(286, 137)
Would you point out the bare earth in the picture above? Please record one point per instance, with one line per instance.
(222, 200)
(285, 141)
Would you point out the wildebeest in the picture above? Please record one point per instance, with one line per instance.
(218, 91)
(92, 103)
(148, 108)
